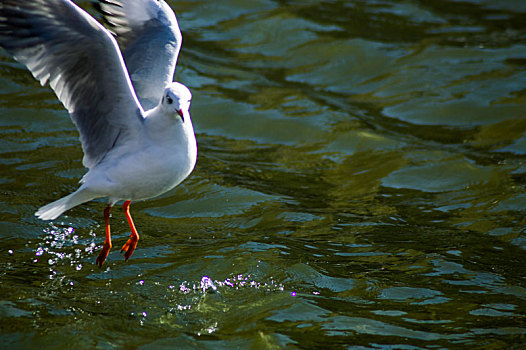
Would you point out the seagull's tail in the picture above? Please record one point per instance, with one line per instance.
(55, 209)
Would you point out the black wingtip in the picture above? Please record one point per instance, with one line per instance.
(96, 5)
(109, 2)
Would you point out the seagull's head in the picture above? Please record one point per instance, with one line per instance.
(176, 100)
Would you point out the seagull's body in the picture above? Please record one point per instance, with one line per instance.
(133, 150)
(159, 159)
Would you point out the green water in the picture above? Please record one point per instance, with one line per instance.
(360, 184)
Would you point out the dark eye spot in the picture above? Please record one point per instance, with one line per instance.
(169, 99)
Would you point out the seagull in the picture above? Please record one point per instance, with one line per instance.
(134, 122)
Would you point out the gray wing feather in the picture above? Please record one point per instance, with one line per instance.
(150, 39)
(63, 45)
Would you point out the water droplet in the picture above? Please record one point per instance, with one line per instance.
(207, 283)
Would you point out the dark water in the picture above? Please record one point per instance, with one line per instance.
(360, 184)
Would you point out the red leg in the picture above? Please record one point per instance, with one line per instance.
(130, 246)
(107, 242)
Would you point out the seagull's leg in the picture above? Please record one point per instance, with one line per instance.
(107, 242)
(129, 247)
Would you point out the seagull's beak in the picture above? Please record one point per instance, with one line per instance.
(180, 112)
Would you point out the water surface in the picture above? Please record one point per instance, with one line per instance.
(360, 184)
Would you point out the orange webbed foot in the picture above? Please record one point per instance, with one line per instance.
(103, 254)
(130, 246)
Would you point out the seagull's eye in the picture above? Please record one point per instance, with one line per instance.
(169, 99)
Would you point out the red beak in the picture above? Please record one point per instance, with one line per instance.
(180, 112)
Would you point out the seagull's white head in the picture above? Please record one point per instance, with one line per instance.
(176, 100)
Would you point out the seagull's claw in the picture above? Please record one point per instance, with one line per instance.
(103, 254)
(130, 246)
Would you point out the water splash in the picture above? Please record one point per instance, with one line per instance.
(207, 284)
(238, 282)
(205, 305)
(62, 246)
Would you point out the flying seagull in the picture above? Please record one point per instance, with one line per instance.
(134, 122)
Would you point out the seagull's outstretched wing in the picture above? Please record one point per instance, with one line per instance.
(61, 43)
(150, 40)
